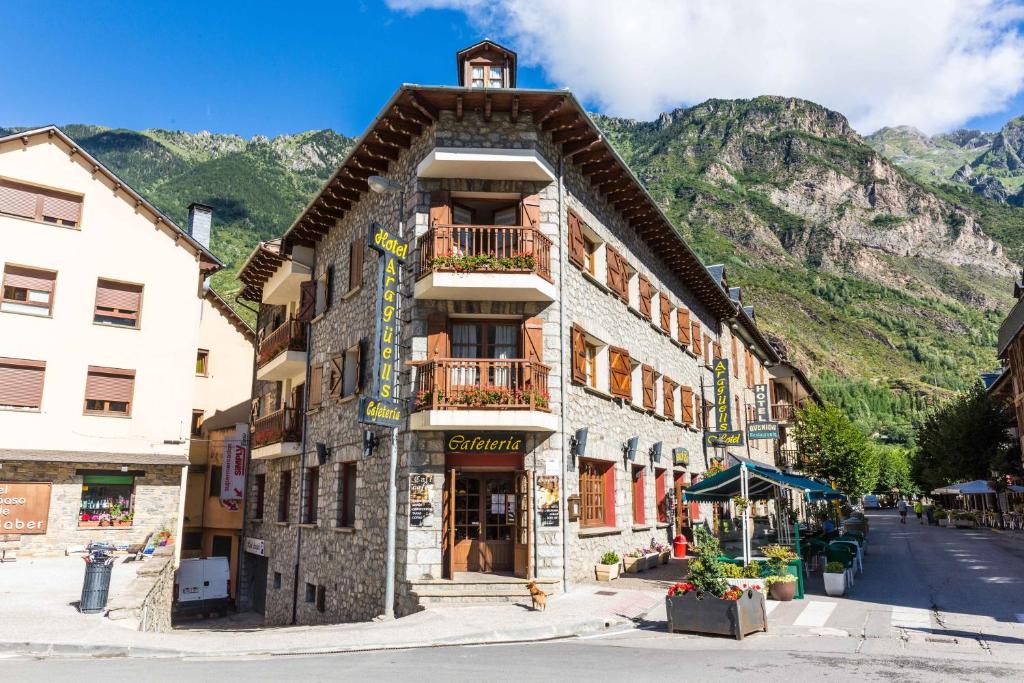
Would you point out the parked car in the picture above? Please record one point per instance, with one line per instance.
(871, 502)
(203, 586)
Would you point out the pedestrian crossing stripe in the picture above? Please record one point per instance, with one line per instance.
(911, 617)
(816, 613)
(770, 606)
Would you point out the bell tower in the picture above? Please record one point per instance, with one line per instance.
(486, 65)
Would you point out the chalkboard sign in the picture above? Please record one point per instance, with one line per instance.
(421, 500)
(548, 494)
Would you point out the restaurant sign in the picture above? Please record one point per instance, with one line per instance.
(730, 438)
(490, 443)
(762, 430)
(680, 456)
(762, 402)
(24, 507)
(381, 407)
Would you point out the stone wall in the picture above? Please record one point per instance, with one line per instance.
(145, 604)
(157, 497)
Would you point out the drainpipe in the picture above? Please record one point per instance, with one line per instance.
(563, 503)
(302, 456)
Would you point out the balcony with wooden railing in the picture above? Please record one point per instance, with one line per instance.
(482, 394)
(282, 353)
(484, 262)
(779, 412)
(282, 426)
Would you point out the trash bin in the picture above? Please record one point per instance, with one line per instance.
(96, 585)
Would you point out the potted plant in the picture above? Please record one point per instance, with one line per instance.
(635, 561)
(965, 520)
(740, 503)
(835, 579)
(608, 568)
(781, 584)
(664, 552)
(705, 603)
(651, 557)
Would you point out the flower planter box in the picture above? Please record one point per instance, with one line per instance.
(736, 618)
(652, 560)
(750, 584)
(835, 584)
(663, 556)
(606, 572)
(964, 523)
(634, 565)
(943, 521)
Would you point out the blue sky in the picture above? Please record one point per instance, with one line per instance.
(271, 68)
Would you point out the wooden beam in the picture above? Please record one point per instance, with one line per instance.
(412, 115)
(386, 137)
(424, 106)
(580, 146)
(319, 209)
(458, 108)
(620, 193)
(360, 174)
(561, 122)
(597, 155)
(487, 108)
(355, 183)
(595, 166)
(335, 204)
(381, 151)
(339, 192)
(566, 134)
(637, 213)
(629, 203)
(369, 162)
(542, 115)
(401, 126)
(514, 113)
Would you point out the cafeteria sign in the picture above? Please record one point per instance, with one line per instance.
(381, 407)
(491, 443)
(762, 430)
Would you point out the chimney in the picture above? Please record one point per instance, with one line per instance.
(200, 218)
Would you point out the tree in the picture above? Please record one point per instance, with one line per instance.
(836, 450)
(894, 470)
(966, 438)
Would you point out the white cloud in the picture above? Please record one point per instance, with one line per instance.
(928, 63)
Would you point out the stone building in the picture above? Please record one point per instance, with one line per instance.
(558, 341)
(100, 313)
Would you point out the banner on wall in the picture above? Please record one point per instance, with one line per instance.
(24, 507)
(232, 471)
(382, 407)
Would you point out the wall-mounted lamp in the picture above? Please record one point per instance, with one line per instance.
(655, 453)
(369, 443)
(577, 446)
(629, 449)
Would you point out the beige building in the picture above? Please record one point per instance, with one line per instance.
(100, 315)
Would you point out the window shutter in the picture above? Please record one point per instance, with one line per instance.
(17, 200)
(669, 397)
(364, 359)
(62, 208)
(118, 295)
(307, 301)
(29, 278)
(355, 263)
(648, 380)
(21, 382)
(531, 211)
(695, 337)
(715, 349)
(665, 309)
(683, 325)
(440, 208)
(579, 355)
(316, 380)
(577, 247)
(686, 398)
(334, 376)
(645, 297)
(620, 371)
(735, 358)
(329, 287)
(613, 269)
(533, 339)
(438, 344)
(109, 384)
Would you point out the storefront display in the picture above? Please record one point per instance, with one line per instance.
(107, 500)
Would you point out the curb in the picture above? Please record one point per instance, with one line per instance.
(106, 651)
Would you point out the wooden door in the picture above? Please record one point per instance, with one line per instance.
(466, 523)
(682, 518)
(523, 525)
(448, 530)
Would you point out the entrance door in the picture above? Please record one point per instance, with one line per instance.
(682, 516)
(483, 513)
(221, 547)
(259, 583)
(524, 513)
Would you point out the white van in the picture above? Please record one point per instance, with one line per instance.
(203, 586)
(871, 502)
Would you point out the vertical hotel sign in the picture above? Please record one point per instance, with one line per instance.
(722, 432)
(382, 407)
(761, 403)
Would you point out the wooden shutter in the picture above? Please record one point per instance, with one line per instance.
(307, 301)
(686, 398)
(648, 380)
(616, 272)
(695, 337)
(735, 358)
(18, 200)
(579, 355)
(355, 263)
(334, 376)
(438, 343)
(577, 245)
(440, 208)
(683, 325)
(531, 211)
(21, 382)
(665, 310)
(533, 339)
(118, 295)
(620, 372)
(363, 364)
(669, 397)
(700, 408)
(109, 384)
(645, 297)
(714, 349)
(29, 278)
(316, 381)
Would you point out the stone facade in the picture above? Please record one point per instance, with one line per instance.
(157, 499)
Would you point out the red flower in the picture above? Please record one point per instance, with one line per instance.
(680, 589)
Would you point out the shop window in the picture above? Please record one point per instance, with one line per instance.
(284, 493)
(660, 478)
(118, 303)
(27, 290)
(216, 474)
(202, 362)
(346, 495)
(638, 494)
(597, 493)
(259, 493)
(107, 500)
(311, 503)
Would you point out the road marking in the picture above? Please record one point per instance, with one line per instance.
(770, 605)
(911, 617)
(816, 613)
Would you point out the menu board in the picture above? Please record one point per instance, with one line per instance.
(421, 500)
(548, 493)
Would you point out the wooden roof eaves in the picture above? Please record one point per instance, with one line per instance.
(225, 309)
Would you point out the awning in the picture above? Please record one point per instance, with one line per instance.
(977, 487)
(762, 485)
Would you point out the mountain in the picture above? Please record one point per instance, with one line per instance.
(257, 187)
(889, 289)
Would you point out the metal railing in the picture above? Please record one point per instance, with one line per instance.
(484, 248)
(290, 336)
(482, 384)
(284, 425)
(789, 459)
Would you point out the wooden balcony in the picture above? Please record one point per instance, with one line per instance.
(271, 433)
(484, 262)
(779, 412)
(282, 353)
(469, 393)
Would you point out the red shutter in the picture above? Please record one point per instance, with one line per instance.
(665, 310)
(579, 355)
(620, 371)
(683, 325)
(648, 381)
(119, 295)
(531, 211)
(440, 208)
(307, 301)
(645, 297)
(687, 401)
(577, 246)
(110, 384)
(21, 382)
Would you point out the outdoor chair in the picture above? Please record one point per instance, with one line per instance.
(855, 536)
(842, 554)
(858, 557)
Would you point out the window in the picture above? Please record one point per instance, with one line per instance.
(202, 362)
(659, 495)
(197, 423)
(486, 76)
(109, 391)
(321, 598)
(284, 496)
(324, 290)
(258, 495)
(618, 273)
(686, 398)
(118, 303)
(346, 495)
(310, 592)
(646, 293)
(40, 204)
(707, 350)
(344, 373)
(355, 263)
(591, 365)
(620, 370)
(192, 540)
(277, 580)
(312, 502)
(695, 337)
(735, 358)
(597, 493)
(638, 494)
(21, 383)
(216, 476)
(28, 290)
(107, 500)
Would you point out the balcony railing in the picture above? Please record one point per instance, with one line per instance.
(780, 412)
(284, 425)
(484, 249)
(482, 384)
(291, 336)
(789, 459)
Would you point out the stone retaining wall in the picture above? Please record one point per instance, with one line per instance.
(145, 604)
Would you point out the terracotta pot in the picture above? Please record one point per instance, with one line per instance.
(782, 591)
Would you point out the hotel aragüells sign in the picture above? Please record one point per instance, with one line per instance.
(722, 432)
(381, 406)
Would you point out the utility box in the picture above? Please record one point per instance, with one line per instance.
(203, 586)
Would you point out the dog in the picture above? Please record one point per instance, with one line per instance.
(539, 597)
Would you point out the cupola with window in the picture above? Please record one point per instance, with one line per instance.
(486, 65)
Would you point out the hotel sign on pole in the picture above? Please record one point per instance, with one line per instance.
(382, 407)
(722, 432)
(762, 402)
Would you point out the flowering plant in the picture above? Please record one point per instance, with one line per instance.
(680, 589)
(466, 263)
(714, 468)
(733, 593)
